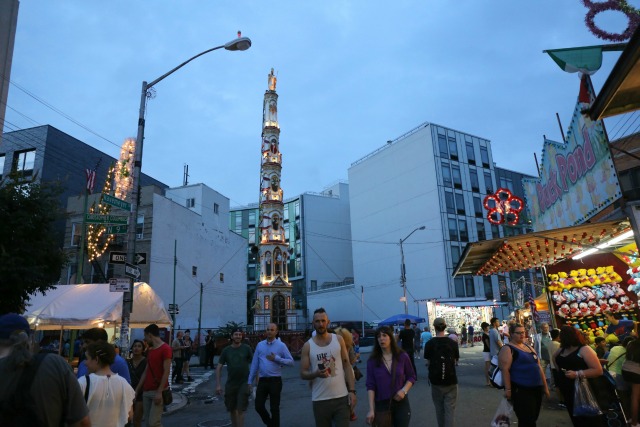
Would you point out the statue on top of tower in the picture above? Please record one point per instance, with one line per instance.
(272, 81)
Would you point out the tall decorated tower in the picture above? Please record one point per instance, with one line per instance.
(273, 296)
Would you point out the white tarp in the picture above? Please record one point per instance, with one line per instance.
(86, 306)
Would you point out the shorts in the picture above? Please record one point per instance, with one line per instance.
(486, 356)
(236, 397)
(631, 377)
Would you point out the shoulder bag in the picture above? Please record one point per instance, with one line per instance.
(167, 396)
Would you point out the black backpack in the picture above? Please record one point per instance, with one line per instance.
(442, 364)
(20, 409)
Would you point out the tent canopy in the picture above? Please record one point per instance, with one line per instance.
(537, 249)
(86, 306)
(399, 319)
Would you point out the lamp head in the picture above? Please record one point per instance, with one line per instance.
(422, 228)
(241, 43)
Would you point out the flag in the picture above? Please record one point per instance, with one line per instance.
(586, 59)
(91, 179)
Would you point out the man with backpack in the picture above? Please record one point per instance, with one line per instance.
(442, 354)
(36, 390)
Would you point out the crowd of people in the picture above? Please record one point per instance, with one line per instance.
(109, 390)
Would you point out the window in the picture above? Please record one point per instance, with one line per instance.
(459, 285)
(238, 217)
(455, 255)
(442, 144)
(314, 285)
(457, 178)
(460, 204)
(495, 231)
(471, 155)
(477, 206)
(221, 277)
(488, 183)
(453, 229)
(482, 235)
(464, 235)
(286, 212)
(448, 199)
(252, 219)
(251, 273)
(76, 233)
(140, 227)
(216, 209)
(506, 183)
(473, 177)
(453, 149)
(502, 287)
(488, 287)
(469, 288)
(297, 208)
(446, 175)
(484, 155)
(2, 157)
(191, 202)
(194, 270)
(24, 162)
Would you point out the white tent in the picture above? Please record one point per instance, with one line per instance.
(86, 306)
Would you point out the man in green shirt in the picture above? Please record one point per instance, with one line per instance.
(238, 358)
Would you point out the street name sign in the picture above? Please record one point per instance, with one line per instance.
(132, 271)
(117, 257)
(105, 219)
(115, 202)
(117, 229)
(119, 285)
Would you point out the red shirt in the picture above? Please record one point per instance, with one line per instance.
(155, 367)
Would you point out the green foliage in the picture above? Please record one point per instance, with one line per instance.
(30, 256)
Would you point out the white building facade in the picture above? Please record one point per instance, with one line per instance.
(432, 177)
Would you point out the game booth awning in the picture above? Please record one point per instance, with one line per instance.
(588, 268)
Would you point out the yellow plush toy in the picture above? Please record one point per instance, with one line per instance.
(612, 338)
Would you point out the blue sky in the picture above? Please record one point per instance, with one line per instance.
(351, 75)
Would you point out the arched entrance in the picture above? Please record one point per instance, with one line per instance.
(279, 311)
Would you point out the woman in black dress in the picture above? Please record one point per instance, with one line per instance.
(576, 359)
(137, 364)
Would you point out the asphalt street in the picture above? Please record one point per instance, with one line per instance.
(476, 404)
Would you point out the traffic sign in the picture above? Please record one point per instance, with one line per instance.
(115, 202)
(140, 258)
(132, 271)
(105, 219)
(119, 285)
(117, 229)
(174, 309)
(117, 257)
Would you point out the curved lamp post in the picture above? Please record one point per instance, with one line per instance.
(403, 272)
(238, 44)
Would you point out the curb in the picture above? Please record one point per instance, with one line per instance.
(179, 402)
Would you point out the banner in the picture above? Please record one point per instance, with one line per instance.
(577, 178)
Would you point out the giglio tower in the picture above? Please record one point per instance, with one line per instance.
(273, 295)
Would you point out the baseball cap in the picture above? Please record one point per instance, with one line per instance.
(439, 322)
(11, 322)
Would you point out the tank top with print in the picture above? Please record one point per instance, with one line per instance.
(330, 356)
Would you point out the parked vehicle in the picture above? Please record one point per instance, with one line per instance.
(369, 329)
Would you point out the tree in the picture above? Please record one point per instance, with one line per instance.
(30, 256)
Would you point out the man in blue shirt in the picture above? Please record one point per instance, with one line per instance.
(269, 358)
(119, 365)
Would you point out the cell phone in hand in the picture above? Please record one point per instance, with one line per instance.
(321, 366)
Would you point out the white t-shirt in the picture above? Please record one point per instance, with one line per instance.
(110, 399)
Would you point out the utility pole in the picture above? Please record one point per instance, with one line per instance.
(200, 316)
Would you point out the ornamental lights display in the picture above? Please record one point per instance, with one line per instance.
(503, 207)
(595, 7)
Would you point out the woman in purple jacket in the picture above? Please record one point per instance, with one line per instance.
(390, 375)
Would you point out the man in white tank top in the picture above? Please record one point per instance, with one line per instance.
(325, 361)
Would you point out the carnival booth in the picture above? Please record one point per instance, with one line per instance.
(588, 269)
(456, 316)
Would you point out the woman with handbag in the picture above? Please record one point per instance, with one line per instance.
(109, 397)
(524, 379)
(390, 376)
(575, 359)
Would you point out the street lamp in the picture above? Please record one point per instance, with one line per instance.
(403, 272)
(240, 43)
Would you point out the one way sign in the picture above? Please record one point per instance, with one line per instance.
(132, 271)
(140, 258)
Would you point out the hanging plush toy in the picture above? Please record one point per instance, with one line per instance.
(558, 298)
(593, 308)
(593, 277)
(604, 306)
(564, 311)
(627, 303)
(613, 276)
(584, 309)
(614, 304)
